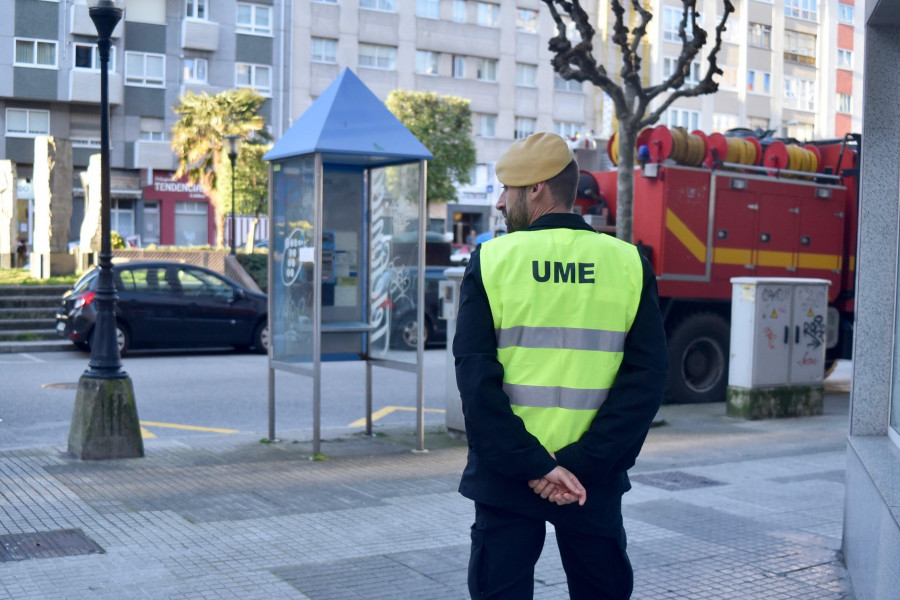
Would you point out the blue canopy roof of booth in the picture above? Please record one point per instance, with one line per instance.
(349, 125)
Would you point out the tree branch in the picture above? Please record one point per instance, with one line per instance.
(689, 50)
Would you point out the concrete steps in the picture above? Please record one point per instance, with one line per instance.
(28, 318)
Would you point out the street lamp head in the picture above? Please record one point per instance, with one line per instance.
(105, 15)
(234, 146)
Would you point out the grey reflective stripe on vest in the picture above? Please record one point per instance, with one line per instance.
(561, 338)
(554, 397)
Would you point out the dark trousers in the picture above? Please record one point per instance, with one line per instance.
(507, 544)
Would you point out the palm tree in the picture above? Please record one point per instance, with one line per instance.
(198, 139)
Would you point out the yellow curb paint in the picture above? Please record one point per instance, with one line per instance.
(146, 434)
(383, 412)
(188, 427)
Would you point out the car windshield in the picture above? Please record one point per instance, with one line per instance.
(86, 279)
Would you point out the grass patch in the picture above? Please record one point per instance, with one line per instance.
(23, 277)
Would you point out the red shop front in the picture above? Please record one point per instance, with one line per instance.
(177, 213)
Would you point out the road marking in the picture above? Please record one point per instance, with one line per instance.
(146, 434)
(383, 412)
(30, 357)
(188, 427)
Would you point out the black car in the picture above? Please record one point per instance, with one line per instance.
(169, 305)
(403, 312)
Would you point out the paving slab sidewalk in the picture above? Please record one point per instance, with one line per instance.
(720, 509)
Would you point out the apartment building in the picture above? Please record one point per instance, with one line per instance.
(50, 85)
(792, 66)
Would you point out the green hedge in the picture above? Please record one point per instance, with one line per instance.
(257, 266)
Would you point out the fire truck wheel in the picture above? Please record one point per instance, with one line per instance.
(698, 359)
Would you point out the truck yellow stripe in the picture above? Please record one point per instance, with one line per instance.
(684, 235)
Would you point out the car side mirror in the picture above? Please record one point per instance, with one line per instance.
(239, 294)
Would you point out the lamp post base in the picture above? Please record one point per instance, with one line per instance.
(105, 420)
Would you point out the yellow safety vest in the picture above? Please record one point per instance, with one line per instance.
(562, 301)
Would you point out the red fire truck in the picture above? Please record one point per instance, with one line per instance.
(709, 208)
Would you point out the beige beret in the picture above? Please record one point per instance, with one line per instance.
(539, 157)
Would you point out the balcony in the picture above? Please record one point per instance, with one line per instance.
(154, 155)
(198, 34)
(82, 24)
(86, 87)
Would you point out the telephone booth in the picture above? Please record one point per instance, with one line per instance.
(346, 183)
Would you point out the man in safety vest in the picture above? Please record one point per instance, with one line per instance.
(561, 367)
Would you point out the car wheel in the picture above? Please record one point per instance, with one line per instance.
(407, 334)
(698, 359)
(261, 337)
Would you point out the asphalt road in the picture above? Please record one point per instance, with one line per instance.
(193, 393)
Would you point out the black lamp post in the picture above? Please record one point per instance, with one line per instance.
(234, 146)
(105, 362)
(105, 421)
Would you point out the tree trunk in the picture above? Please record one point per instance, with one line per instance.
(218, 217)
(251, 236)
(625, 182)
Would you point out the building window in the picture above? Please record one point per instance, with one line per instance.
(257, 77)
(693, 76)
(326, 1)
(800, 47)
(35, 53)
(144, 68)
(428, 9)
(526, 20)
(526, 75)
(487, 69)
(254, 19)
(377, 57)
(565, 129)
(845, 13)
(488, 14)
(121, 217)
(801, 9)
(195, 70)
(730, 33)
(566, 85)
(385, 5)
(427, 62)
(672, 17)
(844, 103)
(191, 223)
(459, 66)
(681, 117)
(728, 80)
(800, 131)
(459, 11)
(487, 125)
(25, 122)
(758, 123)
(87, 57)
(524, 127)
(800, 93)
(759, 82)
(845, 57)
(324, 50)
(760, 36)
(723, 122)
(196, 9)
(152, 129)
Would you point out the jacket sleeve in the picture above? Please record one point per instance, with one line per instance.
(614, 439)
(494, 432)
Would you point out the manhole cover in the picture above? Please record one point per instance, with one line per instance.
(46, 544)
(60, 386)
(675, 480)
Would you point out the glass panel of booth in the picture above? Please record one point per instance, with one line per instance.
(293, 259)
(395, 227)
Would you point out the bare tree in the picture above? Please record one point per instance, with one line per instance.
(631, 99)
